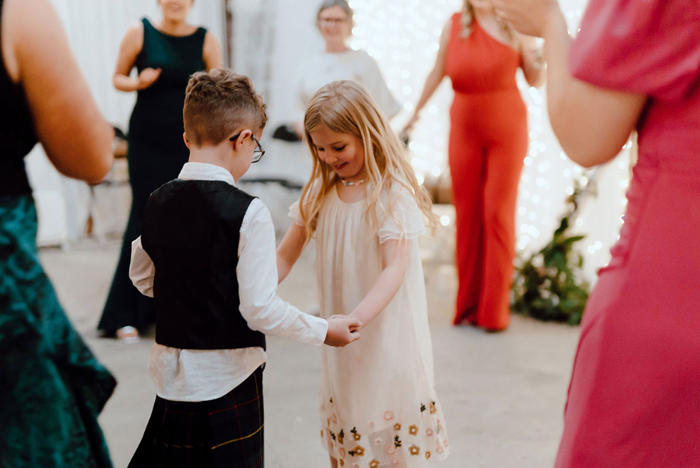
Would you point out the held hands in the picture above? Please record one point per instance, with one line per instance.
(527, 16)
(342, 330)
(147, 77)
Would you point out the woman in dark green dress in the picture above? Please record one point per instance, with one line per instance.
(165, 55)
(51, 386)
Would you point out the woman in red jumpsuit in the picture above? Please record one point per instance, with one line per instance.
(488, 143)
(634, 397)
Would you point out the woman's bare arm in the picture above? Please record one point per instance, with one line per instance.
(591, 123)
(73, 132)
(212, 52)
(533, 61)
(435, 77)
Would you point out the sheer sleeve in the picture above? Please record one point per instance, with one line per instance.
(295, 213)
(401, 217)
(648, 47)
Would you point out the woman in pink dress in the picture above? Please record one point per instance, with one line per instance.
(634, 398)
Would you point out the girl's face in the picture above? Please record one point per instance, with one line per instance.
(334, 24)
(175, 10)
(343, 152)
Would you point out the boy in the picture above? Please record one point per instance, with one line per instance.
(207, 256)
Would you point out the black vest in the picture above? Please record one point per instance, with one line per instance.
(191, 231)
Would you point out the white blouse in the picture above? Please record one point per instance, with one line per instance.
(321, 69)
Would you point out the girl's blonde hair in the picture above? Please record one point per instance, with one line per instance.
(467, 22)
(346, 107)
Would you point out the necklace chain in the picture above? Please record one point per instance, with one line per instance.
(352, 183)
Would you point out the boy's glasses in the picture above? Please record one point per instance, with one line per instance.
(258, 152)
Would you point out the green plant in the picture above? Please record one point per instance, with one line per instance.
(549, 285)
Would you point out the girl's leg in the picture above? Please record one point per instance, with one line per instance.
(334, 462)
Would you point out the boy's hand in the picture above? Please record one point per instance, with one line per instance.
(342, 330)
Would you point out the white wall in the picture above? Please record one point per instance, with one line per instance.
(95, 29)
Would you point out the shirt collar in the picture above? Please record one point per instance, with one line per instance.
(204, 171)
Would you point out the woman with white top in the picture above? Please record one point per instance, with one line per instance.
(338, 62)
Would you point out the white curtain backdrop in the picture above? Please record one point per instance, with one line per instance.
(95, 29)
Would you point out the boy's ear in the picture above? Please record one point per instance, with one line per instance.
(243, 135)
(187, 142)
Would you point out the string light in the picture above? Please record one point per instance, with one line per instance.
(403, 36)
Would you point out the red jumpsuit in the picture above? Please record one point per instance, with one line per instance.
(488, 143)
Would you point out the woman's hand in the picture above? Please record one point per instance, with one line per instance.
(410, 124)
(527, 16)
(147, 77)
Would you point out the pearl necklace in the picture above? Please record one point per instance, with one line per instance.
(352, 183)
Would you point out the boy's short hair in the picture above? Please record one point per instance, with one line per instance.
(219, 102)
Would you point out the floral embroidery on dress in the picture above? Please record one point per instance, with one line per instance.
(389, 415)
(429, 432)
(334, 418)
(355, 434)
(341, 436)
(414, 450)
(342, 452)
(397, 442)
(395, 461)
(378, 441)
(433, 409)
(427, 455)
(342, 462)
(446, 443)
(390, 449)
(413, 429)
(397, 427)
(358, 450)
(371, 424)
(374, 464)
(422, 407)
(439, 449)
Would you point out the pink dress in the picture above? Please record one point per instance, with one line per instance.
(634, 398)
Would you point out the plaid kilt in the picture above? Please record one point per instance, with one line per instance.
(226, 432)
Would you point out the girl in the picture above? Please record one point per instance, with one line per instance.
(365, 208)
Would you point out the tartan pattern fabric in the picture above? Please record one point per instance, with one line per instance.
(226, 432)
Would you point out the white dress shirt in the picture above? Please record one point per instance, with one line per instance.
(201, 375)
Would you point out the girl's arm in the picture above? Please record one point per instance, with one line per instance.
(395, 256)
(435, 76)
(212, 52)
(289, 250)
(591, 123)
(130, 48)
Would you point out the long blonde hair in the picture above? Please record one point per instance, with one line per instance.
(347, 107)
(467, 22)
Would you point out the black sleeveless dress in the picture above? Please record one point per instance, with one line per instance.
(51, 386)
(157, 152)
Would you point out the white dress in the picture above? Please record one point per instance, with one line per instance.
(320, 69)
(378, 402)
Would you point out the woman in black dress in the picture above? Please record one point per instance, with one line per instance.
(165, 54)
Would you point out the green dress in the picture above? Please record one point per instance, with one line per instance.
(51, 386)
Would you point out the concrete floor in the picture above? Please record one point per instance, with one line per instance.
(503, 394)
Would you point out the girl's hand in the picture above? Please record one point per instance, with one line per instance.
(342, 330)
(527, 16)
(341, 317)
(147, 77)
